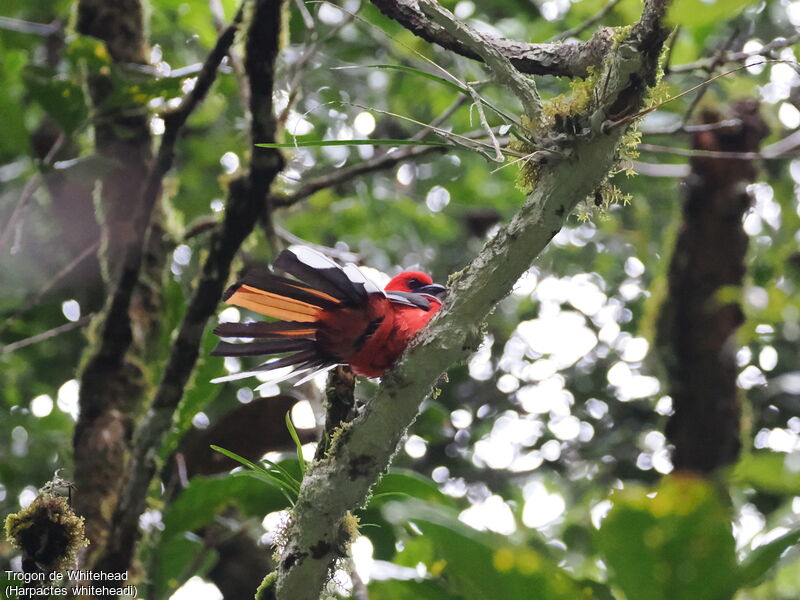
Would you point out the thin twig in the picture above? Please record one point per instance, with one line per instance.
(20, 26)
(441, 119)
(457, 139)
(14, 222)
(681, 127)
(660, 170)
(376, 163)
(384, 160)
(687, 117)
(218, 14)
(712, 153)
(498, 63)
(308, 20)
(608, 125)
(46, 335)
(781, 147)
(590, 22)
(340, 176)
(710, 62)
(52, 282)
(298, 68)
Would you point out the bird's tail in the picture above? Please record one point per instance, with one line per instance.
(321, 285)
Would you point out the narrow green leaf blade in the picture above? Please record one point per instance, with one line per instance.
(376, 142)
(298, 446)
(760, 561)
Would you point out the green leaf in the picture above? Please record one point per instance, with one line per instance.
(197, 506)
(771, 472)
(758, 563)
(278, 475)
(476, 565)
(61, 98)
(84, 49)
(296, 439)
(15, 136)
(408, 483)
(322, 143)
(446, 82)
(251, 465)
(672, 541)
(205, 497)
(410, 589)
(701, 12)
(179, 558)
(200, 391)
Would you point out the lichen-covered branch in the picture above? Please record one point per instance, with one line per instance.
(700, 315)
(245, 202)
(564, 60)
(363, 449)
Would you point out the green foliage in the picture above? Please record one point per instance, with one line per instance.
(673, 541)
(772, 472)
(273, 473)
(179, 552)
(199, 394)
(696, 13)
(475, 565)
(759, 562)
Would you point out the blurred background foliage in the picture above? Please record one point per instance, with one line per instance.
(541, 470)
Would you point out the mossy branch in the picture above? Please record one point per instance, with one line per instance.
(341, 481)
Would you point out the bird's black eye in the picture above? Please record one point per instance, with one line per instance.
(414, 283)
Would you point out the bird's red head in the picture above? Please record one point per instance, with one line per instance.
(409, 281)
(416, 282)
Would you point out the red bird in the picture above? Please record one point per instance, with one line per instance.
(329, 315)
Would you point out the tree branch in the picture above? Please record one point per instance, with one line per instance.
(363, 449)
(499, 65)
(707, 64)
(698, 323)
(46, 335)
(563, 60)
(20, 26)
(111, 384)
(245, 200)
(340, 176)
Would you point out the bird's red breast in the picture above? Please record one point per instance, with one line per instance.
(327, 315)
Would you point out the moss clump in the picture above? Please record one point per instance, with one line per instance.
(620, 35)
(348, 531)
(266, 591)
(560, 116)
(574, 102)
(340, 435)
(528, 173)
(606, 194)
(47, 532)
